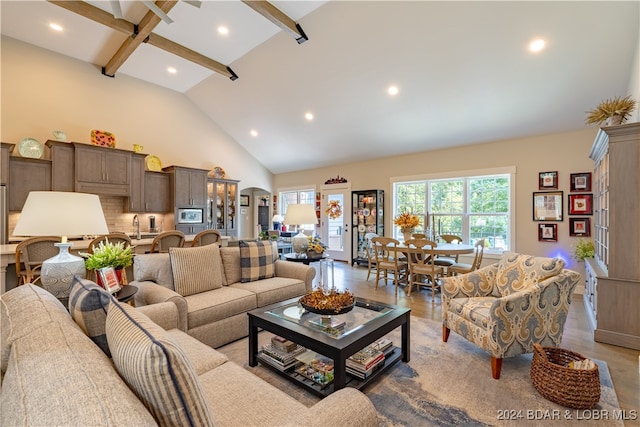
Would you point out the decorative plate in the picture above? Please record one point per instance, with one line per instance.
(103, 138)
(362, 228)
(217, 172)
(30, 147)
(153, 163)
(366, 212)
(373, 212)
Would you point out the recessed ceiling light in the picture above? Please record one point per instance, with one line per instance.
(223, 30)
(171, 70)
(308, 116)
(537, 45)
(393, 90)
(55, 26)
(253, 133)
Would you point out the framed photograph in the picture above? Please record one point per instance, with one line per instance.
(547, 206)
(580, 204)
(548, 180)
(109, 279)
(581, 182)
(547, 232)
(244, 200)
(580, 227)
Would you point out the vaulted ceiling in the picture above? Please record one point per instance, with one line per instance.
(463, 69)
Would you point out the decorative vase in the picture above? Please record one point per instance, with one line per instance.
(614, 120)
(406, 232)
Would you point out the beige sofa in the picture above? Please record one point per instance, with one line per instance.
(54, 371)
(215, 313)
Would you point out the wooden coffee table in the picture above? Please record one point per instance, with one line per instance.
(366, 323)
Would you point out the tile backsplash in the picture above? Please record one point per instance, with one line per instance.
(117, 219)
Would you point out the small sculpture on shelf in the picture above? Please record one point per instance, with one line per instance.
(337, 180)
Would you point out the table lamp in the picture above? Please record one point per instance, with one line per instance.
(299, 215)
(56, 213)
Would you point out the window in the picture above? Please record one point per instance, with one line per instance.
(473, 206)
(297, 197)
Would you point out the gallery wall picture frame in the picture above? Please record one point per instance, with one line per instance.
(580, 204)
(547, 232)
(548, 180)
(547, 206)
(581, 182)
(580, 227)
(244, 200)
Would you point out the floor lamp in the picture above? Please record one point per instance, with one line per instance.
(55, 213)
(300, 215)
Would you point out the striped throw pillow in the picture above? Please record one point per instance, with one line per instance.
(88, 305)
(156, 369)
(257, 261)
(196, 269)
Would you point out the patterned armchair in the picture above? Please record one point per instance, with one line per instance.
(506, 308)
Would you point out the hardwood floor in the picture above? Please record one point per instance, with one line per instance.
(624, 364)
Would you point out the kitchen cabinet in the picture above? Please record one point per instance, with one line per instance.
(189, 186)
(62, 165)
(188, 229)
(613, 276)
(157, 192)
(222, 201)
(101, 170)
(27, 175)
(368, 217)
(5, 152)
(135, 201)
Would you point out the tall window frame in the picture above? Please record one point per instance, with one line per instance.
(460, 214)
(303, 195)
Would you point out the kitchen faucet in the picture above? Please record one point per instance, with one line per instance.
(136, 223)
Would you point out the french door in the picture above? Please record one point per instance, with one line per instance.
(335, 224)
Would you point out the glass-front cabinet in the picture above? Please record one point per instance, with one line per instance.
(367, 217)
(222, 195)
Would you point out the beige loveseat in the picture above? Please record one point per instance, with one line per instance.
(56, 372)
(206, 285)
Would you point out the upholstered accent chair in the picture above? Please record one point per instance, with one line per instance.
(506, 308)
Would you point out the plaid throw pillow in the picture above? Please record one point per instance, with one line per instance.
(88, 305)
(256, 261)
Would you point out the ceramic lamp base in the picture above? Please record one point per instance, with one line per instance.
(57, 272)
(300, 243)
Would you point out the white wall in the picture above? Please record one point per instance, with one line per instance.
(565, 152)
(43, 91)
(634, 82)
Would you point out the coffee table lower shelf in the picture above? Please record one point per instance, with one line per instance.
(324, 390)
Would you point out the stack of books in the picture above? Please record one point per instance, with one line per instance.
(281, 353)
(363, 363)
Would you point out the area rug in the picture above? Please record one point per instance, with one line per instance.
(450, 384)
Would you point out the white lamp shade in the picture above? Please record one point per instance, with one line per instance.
(56, 213)
(300, 214)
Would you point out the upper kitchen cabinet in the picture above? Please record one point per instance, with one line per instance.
(5, 152)
(102, 170)
(157, 192)
(189, 186)
(62, 161)
(27, 175)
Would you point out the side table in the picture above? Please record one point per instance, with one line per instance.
(126, 293)
(304, 259)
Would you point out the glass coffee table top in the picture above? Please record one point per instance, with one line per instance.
(335, 326)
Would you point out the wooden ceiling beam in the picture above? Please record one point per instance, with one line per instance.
(147, 24)
(276, 16)
(105, 18)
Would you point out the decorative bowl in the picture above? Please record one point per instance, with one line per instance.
(326, 305)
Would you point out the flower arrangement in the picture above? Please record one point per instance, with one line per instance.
(108, 254)
(584, 249)
(617, 106)
(334, 210)
(316, 245)
(406, 221)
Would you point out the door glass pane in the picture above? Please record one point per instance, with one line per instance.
(335, 230)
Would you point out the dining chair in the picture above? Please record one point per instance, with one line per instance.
(447, 260)
(168, 239)
(30, 253)
(418, 236)
(206, 237)
(387, 260)
(111, 238)
(462, 268)
(422, 264)
(371, 257)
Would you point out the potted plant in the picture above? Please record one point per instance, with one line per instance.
(584, 249)
(612, 111)
(107, 254)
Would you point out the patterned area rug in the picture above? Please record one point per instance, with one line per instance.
(450, 384)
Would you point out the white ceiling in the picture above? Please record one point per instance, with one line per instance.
(463, 70)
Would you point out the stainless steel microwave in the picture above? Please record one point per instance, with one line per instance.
(190, 216)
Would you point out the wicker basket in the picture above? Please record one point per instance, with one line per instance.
(555, 381)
